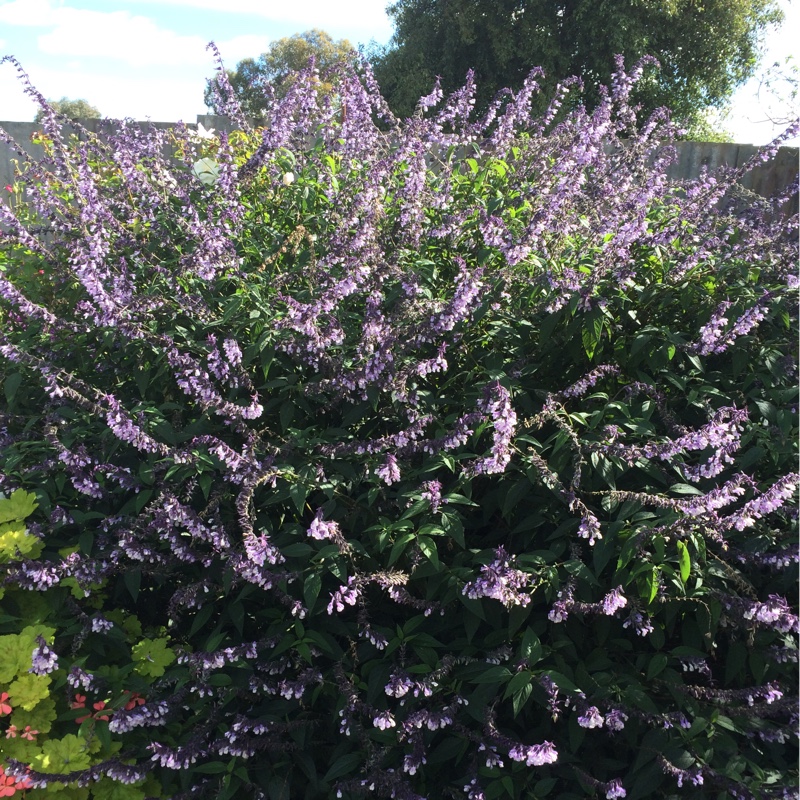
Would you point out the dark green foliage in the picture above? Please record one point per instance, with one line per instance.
(705, 49)
(74, 109)
(234, 423)
(276, 68)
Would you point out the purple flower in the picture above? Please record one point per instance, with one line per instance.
(591, 718)
(383, 721)
(319, 529)
(79, 679)
(713, 336)
(614, 601)
(641, 624)
(43, 660)
(496, 402)
(614, 789)
(492, 757)
(261, 551)
(534, 755)
(399, 685)
(580, 388)
(500, 581)
(774, 498)
(590, 528)
(432, 492)
(348, 594)
(101, 625)
(615, 720)
(560, 609)
(389, 472)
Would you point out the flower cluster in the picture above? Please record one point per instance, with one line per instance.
(501, 581)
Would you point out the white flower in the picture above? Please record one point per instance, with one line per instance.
(288, 178)
(207, 171)
(202, 133)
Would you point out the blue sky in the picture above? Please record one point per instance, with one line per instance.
(147, 59)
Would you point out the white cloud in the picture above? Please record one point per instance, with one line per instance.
(116, 93)
(34, 13)
(239, 47)
(120, 36)
(356, 14)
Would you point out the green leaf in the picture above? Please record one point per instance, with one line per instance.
(592, 331)
(495, 674)
(531, 648)
(286, 415)
(18, 506)
(685, 561)
(343, 765)
(211, 768)
(657, 664)
(399, 546)
(519, 700)
(133, 580)
(428, 546)
(311, 589)
(10, 386)
(652, 585)
(298, 492)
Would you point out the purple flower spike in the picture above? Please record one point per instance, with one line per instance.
(591, 718)
(389, 472)
(43, 660)
(500, 581)
(534, 755)
(614, 601)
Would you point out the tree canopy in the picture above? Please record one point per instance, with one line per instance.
(705, 49)
(74, 109)
(277, 66)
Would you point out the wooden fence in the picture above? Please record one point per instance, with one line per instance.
(764, 180)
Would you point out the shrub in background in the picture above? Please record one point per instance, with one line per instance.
(426, 458)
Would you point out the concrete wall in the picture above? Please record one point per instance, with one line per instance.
(764, 180)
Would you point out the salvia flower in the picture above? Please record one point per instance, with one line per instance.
(432, 492)
(640, 622)
(614, 601)
(614, 789)
(591, 718)
(535, 755)
(44, 660)
(389, 472)
(500, 581)
(320, 529)
(615, 720)
(590, 528)
(383, 721)
(716, 338)
(346, 595)
(78, 678)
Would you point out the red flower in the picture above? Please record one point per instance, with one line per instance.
(29, 734)
(5, 708)
(9, 785)
(135, 700)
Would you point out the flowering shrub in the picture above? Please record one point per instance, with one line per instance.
(433, 458)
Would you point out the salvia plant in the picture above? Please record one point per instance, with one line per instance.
(430, 458)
